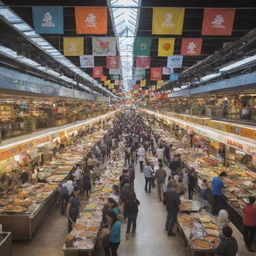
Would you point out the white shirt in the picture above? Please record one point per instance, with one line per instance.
(69, 185)
(77, 174)
(148, 171)
(160, 153)
(141, 154)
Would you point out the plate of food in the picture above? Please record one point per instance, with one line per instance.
(206, 219)
(215, 241)
(210, 225)
(78, 227)
(201, 243)
(212, 232)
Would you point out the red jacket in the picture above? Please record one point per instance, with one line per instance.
(250, 215)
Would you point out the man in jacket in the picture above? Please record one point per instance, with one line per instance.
(148, 173)
(160, 180)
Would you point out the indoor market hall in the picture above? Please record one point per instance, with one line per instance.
(127, 127)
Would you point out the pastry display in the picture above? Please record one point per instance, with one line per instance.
(201, 244)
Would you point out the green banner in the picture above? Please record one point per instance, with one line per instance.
(115, 77)
(142, 46)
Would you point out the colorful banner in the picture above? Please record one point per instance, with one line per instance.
(218, 21)
(87, 61)
(191, 46)
(159, 84)
(111, 86)
(73, 46)
(143, 62)
(115, 77)
(167, 71)
(97, 72)
(155, 74)
(113, 62)
(48, 20)
(139, 73)
(107, 82)
(91, 20)
(175, 61)
(103, 78)
(143, 83)
(165, 46)
(115, 71)
(142, 46)
(104, 46)
(168, 21)
(174, 77)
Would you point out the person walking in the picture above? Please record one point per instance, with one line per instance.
(160, 177)
(160, 153)
(172, 202)
(127, 155)
(132, 210)
(141, 156)
(192, 181)
(86, 183)
(167, 154)
(114, 234)
(148, 173)
(175, 165)
(249, 221)
(217, 194)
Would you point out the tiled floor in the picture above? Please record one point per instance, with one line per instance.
(150, 239)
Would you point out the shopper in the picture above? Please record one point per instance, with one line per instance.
(160, 153)
(127, 155)
(167, 154)
(160, 177)
(203, 189)
(124, 178)
(172, 202)
(131, 210)
(249, 221)
(113, 206)
(148, 173)
(86, 183)
(141, 156)
(228, 246)
(192, 181)
(114, 234)
(73, 208)
(125, 193)
(131, 177)
(217, 194)
(175, 165)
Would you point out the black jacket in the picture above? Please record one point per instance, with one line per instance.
(227, 247)
(172, 200)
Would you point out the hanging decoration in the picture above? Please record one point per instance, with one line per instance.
(107, 82)
(159, 84)
(142, 46)
(97, 72)
(191, 46)
(143, 83)
(175, 61)
(167, 71)
(139, 73)
(115, 71)
(104, 46)
(103, 78)
(73, 46)
(174, 77)
(143, 62)
(113, 62)
(156, 74)
(87, 61)
(165, 46)
(167, 21)
(115, 77)
(91, 20)
(218, 21)
(48, 20)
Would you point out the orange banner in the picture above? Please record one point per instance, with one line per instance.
(91, 20)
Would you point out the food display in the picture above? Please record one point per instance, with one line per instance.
(201, 243)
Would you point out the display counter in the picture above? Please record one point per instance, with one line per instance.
(6, 244)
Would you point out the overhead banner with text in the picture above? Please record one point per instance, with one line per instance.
(116, 71)
(113, 62)
(167, 71)
(167, 21)
(143, 62)
(104, 46)
(175, 61)
(165, 46)
(218, 21)
(139, 74)
(155, 74)
(91, 20)
(142, 46)
(87, 61)
(191, 46)
(48, 20)
(73, 46)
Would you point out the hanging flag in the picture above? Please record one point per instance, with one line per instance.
(73, 46)
(159, 83)
(103, 78)
(175, 61)
(143, 83)
(115, 71)
(97, 72)
(191, 46)
(156, 74)
(165, 46)
(48, 20)
(139, 73)
(87, 61)
(91, 20)
(107, 82)
(142, 46)
(167, 71)
(143, 62)
(153, 88)
(111, 86)
(218, 21)
(174, 77)
(167, 21)
(115, 77)
(104, 46)
(113, 62)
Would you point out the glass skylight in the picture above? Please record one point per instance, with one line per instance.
(125, 16)
(209, 77)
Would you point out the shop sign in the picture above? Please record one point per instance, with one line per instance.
(40, 141)
(9, 152)
(234, 144)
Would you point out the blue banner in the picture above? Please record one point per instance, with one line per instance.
(48, 20)
(174, 76)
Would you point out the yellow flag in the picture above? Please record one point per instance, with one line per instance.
(73, 46)
(143, 83)
(153, 87)
(165, 46)
(107, 82)
(168, 21)
(160, 83)
(111, 86)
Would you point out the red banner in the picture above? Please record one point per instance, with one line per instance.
(113, 62)
(97, 72)
(143, 62)
(218, 21)
(191, 46)
(156, 74)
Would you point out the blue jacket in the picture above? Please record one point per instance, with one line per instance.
(115, 233)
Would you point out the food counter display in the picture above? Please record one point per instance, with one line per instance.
(5, 243)
(85, 231)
